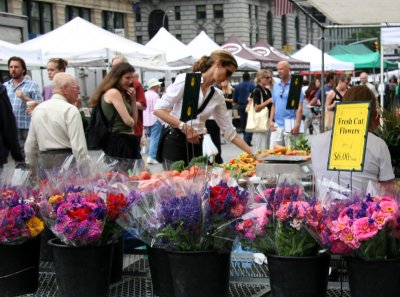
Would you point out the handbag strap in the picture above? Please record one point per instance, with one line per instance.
(205, 102)
(111, 122)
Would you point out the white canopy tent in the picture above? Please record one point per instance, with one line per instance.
(356, 11)
(83, 43)
(176, 52)
(202, 45)
(311, 54)
(31, 57)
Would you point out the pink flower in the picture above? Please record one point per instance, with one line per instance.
(339, 248)
(349, 239)
(341, 224)
(237, 210)
(364, 229)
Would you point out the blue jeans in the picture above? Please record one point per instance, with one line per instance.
(154, 133)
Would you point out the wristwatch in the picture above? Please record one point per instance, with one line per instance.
(181, 126)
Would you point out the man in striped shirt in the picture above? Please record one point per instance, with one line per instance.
(20, 91)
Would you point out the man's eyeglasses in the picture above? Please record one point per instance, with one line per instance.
(228, 72)
(281, 93)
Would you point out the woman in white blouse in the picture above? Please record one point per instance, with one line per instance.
(182, 141)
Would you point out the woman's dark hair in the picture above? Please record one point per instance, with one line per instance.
(111, 81)
(205, 62)
(361, 93)
(311, 87)
(61, 64)
(18, 59)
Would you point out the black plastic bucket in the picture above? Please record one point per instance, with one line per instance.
(373, 278)
(82, 271)
(161, 278)
(200, 274)
(117, 261)
(19, 268)
(298, 276)
(45, 249)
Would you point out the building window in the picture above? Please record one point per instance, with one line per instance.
(138, 17)
(177, 13)
(270, 38)
(256, 12)
(201, 12)
(219, 38)
(72, 12)
(139, 39)
(137, 11)
(113, 20)
(312, 31)
(156, 18)
(218, 11)
(257, 36)
(251, 39)
(3, 5)
(250, 12)
(284, 30)
(297, 28)
(40, 17)
(179, 37)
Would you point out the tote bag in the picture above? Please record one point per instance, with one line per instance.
(256, 121)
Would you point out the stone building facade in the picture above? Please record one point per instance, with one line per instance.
(248, 20)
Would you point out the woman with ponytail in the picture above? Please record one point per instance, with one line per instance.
(183, 140)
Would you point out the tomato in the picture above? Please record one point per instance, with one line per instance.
(185, 173)
(155, 176)
(144, 175)
(194, 169)
(175, 173)
(134, 177)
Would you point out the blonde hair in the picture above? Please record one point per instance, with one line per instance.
(205, 62)
(60, 63)
(264, 72)
(122, 58)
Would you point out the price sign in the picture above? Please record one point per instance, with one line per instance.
(349, 136)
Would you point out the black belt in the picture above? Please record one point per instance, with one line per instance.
(57, 151)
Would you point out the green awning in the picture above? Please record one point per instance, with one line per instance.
(361, 56)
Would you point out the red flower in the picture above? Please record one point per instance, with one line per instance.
(81, 214)
(115, 204)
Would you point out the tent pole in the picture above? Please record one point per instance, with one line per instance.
(322, 125)
(381, 84)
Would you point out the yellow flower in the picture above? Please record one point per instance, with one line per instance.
(35, 226)
(55, 198)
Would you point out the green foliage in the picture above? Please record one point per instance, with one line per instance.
(300, 143)
(178, 166)
(198, 161)
(184, 240)
(292, 242)
(390, 133)
(366, 33)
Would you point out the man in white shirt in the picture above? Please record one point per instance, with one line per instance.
(56, 128)
(364, 81)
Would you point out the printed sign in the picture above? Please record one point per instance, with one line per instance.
(296, 83)
(190, 96)
(349, 136)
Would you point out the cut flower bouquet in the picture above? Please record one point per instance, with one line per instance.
(365, 226)
(278, 221)
(185, 215)
(19, 215)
